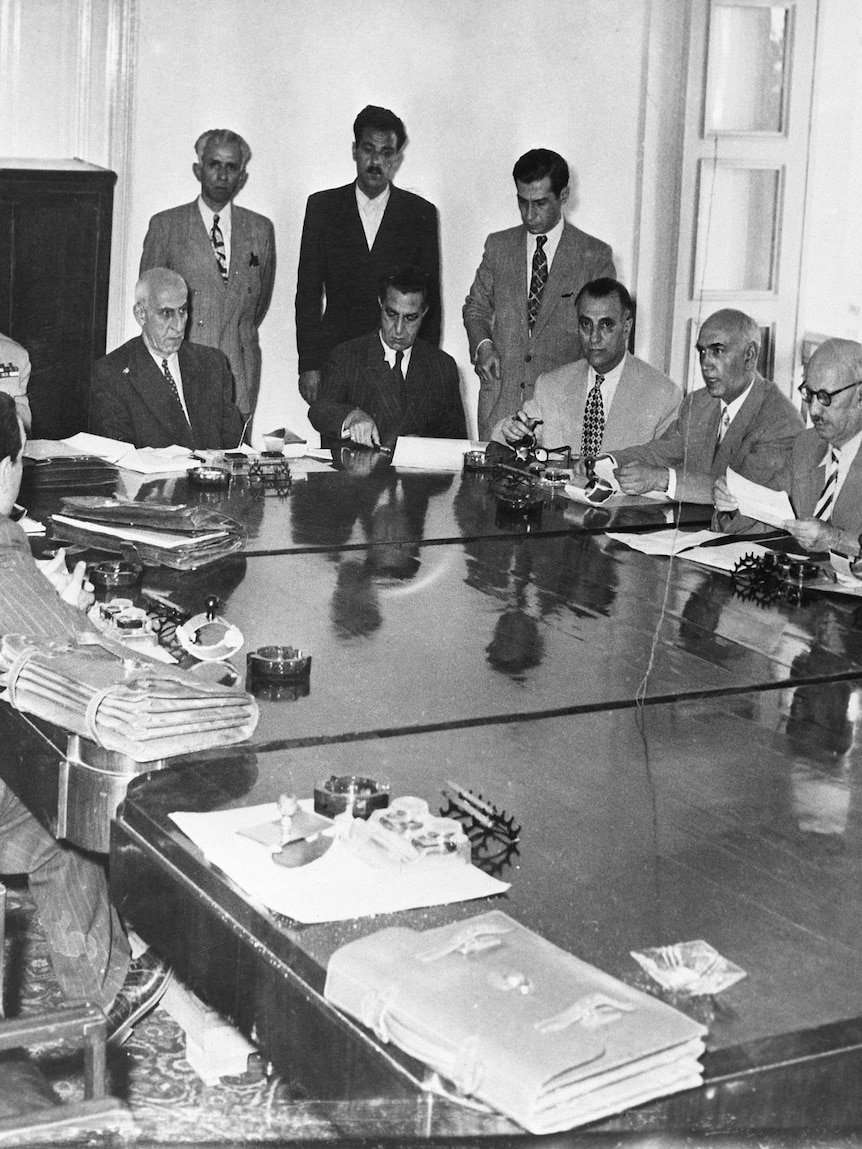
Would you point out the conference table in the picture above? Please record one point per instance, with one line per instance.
(682, 762)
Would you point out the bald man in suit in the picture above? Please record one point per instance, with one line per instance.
(229, 289)
(157, 390)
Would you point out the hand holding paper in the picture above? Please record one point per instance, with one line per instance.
(756, 502)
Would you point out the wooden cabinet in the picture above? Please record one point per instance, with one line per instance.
(55, 250)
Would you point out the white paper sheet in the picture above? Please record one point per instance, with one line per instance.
(335, 887)
(670, 542)
(760, 503)
(111, 450)
(413, 451)
(726, 557)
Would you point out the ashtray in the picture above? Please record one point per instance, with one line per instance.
(689, 968)
(555, 476)
(353, 792)
(477, 461)
(208, 637)
(517, 495)
(114, 573)
(209, 476)
(278, 663)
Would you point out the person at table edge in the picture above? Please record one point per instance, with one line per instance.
(389, 382)
(823, 475)
(353, 235)
(14, 353)
(520, 312)
(87, 945)
(739, 420)
(608, 399)
(226, 254)
(157, 390)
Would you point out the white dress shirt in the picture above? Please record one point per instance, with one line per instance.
(732, 409)
(174, 368)
(371, 212)
(224, 222)
(846, 455)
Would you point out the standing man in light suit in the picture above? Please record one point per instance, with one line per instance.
(520, 314)
(226, 255)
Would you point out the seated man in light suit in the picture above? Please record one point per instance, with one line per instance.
(14, 353)
(391, 383)
(156, 390)
(87, 945)
(605, 401)
(738, 420)
(823, 476)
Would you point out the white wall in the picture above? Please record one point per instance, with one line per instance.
(477, 83)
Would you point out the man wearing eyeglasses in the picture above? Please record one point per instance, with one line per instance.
(824, 474)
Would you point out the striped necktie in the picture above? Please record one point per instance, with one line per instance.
(826, 502)
(218, 247)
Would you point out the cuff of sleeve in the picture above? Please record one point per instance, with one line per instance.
(671, 483)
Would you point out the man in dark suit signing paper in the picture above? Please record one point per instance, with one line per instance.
(156, 390)
(351, 237)
(390, 383)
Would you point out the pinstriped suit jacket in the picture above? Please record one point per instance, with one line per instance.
(804, 479)
(427, 402)
(223, 315)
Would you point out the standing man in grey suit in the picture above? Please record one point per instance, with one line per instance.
(389, 383)
(608, 399)
(520, 314)
(226, 255)
(352, 236)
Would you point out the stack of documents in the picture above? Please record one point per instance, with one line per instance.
(513, 1021)
(127, 703)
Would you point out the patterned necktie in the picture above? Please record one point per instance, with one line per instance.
(594, 421)
(175, 391)
(537, 280)
(218, 247)
(826, 502)
(399, 359)
(724, 424)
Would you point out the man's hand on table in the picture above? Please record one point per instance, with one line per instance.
(309, 383)
(487, 363)
(361, 428)
(72, 587)
(638, 478)
(815, 535)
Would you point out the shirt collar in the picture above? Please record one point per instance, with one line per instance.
(553, 236)
(610, 376)
(732, 408)
(366, 203)
(389, 354)
(207, 214)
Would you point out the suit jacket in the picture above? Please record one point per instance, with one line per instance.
(757, 443)
(496, 309)
(131, 400)
(223, 315)
(12, 352)
(804, 477)
(643, 405)
(427, 402)
(334, 261)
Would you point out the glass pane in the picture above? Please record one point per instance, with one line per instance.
(746, 75)
(737, 210)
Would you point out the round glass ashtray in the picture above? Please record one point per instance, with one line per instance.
(278, 663)
(354, 792)
(477, 461)
(114, 573)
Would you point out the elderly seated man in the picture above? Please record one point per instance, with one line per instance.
(390, 382)
(607, 400)
(823, 475)
(739, 420)
(87, 944)
(158, 390)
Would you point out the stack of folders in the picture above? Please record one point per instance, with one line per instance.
(515, 1022)
(133, 705)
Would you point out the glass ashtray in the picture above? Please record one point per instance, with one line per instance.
(278, 663)
(689, 968)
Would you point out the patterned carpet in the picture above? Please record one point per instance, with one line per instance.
(169, 1103)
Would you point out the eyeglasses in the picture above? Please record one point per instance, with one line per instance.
(824, 398)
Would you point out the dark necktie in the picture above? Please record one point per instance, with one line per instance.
(172, 383)
(538, 279)
(218, 247)
(826, 502)
(399, 359)
(594, 421)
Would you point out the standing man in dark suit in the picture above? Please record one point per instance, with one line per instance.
(390, 383)
(226, 255)
(351, 237)
(520, 314)
(156, 390)
(739, 420)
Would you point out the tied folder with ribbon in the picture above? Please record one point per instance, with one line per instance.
(515, 1022)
